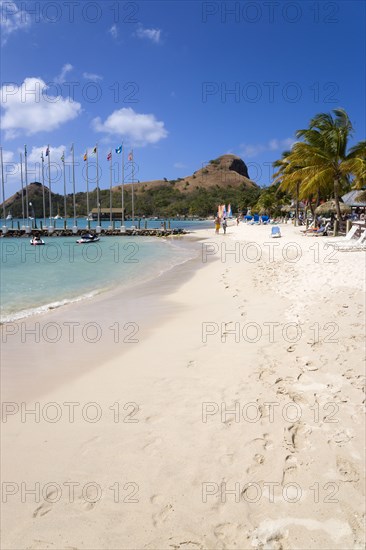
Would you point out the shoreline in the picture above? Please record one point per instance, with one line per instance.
(145, 303)
(20, 315)
(216, 396)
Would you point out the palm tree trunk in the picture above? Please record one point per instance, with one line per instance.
(297, 204)
(336, 199)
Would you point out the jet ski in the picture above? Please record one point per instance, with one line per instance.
(88, 239)
(36, 242)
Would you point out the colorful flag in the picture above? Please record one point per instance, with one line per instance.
(130, 156)
(72, 148)
(86, 156)
(119, 150)
(109, 156)
(47, 151)
(25, 150)
(94, 151)
(63, 157)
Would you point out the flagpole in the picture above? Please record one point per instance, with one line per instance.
(133, 197)
(87, 188)
(26, 185)
(49, 183)
(21, 180)
(65, 205)
(3, 185)
(73, 183)
(110, 188)
(43, 194)
(98, 203)
(123, 185)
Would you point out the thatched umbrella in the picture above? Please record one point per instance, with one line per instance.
(330, 207)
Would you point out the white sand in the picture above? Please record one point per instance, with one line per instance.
(290, 456)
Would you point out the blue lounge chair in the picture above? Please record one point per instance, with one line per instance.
(275, 231)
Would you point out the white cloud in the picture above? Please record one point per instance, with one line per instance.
(113, 31)
(179, 165)
(139, 129)
(92, 76)
(151, 34)
(253, 150)
(12, 19)
(60, 79)
(28, 108)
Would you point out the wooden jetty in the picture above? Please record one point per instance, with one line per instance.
(128, 232)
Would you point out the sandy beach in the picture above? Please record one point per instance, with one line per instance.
(220, 407)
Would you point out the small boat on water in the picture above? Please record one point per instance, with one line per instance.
(88, 239)
(9, 216)
(37, 242)
(57, 217)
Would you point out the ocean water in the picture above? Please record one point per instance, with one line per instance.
(37, 278)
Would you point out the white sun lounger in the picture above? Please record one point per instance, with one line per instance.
(348, 237)
(360, 244)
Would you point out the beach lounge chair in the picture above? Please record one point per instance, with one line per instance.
(275, 231)
(319, 232)
(351, 233)
(359, 244)
(310, 228)
(255, 220)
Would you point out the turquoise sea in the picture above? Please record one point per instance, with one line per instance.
(37, 278)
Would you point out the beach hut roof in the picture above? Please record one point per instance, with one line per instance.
(351, 198)
(330, 206)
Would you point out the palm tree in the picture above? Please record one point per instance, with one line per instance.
(321, 162)
(293, 187)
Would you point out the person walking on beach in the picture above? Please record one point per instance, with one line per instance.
(217, 224)
(224, 225)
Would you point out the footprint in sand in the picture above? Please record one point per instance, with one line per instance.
(347, 470)
(296, 436)
(289, 469)
(356, 521)
(230, 535)
(42, 510)
(45, 507)
(340, 438)
(161, 516)
(258, 461)
(191, 364)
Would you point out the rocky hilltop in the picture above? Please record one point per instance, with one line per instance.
(227, 170)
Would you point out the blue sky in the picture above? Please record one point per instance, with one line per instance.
(179, 82)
